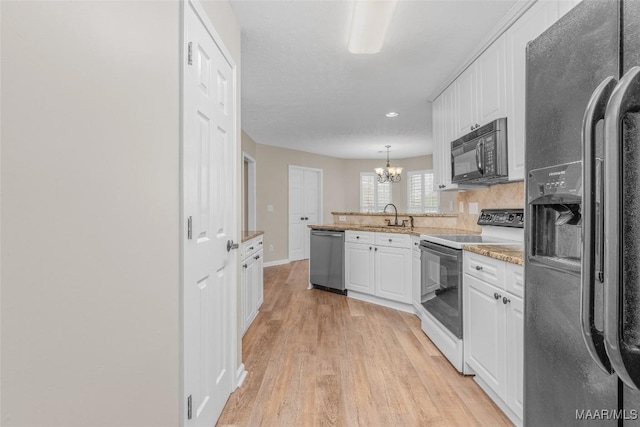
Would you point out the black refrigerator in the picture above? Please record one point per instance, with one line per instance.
(582, 268)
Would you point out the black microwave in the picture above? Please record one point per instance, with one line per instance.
(480, 157)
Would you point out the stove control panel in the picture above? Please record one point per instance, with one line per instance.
(502, 217)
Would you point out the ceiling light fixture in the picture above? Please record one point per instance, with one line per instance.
(389, 174)
(369, 24)
(391, 114)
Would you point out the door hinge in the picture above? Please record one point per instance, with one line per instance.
(190, 54)
(189, 228)
(189, 406)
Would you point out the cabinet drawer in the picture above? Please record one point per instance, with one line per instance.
(490, 270)
(394, 240)
(250, 247)
(515, 280)
(358, 236)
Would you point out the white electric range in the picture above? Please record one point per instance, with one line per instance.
(441, 276)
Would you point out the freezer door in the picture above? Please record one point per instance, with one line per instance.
(631, 134)
(564, 67)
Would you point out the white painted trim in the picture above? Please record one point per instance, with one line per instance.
(401, 306)
(277, 262)
(252, 189)
(233, 255)
(202, 14)
(320, 201)
(241, 375)
(507, 21)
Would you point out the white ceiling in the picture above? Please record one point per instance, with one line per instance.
(302, 89)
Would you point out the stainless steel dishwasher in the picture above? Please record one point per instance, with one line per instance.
(326, 260)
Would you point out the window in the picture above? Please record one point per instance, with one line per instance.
(373, 195)
(420, 194)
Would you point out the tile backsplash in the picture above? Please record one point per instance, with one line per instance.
(506, 196)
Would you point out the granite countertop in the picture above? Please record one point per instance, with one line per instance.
(248, 235)
(415, 231)
(513, 254)
(415, 215)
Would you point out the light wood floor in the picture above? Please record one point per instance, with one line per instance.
(317, 358)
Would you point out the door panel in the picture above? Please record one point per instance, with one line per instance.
(392, 270)
(485, 340)
(560, 375)
(491, 81)
(208, 156)
(304, 208)
(359, 268)
(296, 214)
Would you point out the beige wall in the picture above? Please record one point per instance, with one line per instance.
(341, 187)
(272, 172)
(90, 173)
(248, 145)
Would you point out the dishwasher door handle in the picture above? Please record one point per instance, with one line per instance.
(314, 233)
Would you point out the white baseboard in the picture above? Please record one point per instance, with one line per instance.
(277, 262)
(241, 374)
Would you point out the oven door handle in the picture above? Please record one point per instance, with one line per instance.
(440, 254)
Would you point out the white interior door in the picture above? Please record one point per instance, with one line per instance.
(305, 207)
(209, 208)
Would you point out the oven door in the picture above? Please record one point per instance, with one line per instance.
(467, 160)
(442, 281)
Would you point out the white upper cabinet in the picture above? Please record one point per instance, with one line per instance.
(482, 90)
(467, 108)
(530, 25)
(444, 131)
(492, 83)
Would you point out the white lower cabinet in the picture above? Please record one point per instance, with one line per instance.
(251, 281)
(493, 330)
(393, 273)
(359, 267)
(382, 269)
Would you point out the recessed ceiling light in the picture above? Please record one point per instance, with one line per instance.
(392, 114)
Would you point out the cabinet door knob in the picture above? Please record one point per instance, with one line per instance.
(496, 295)
(250, 248)
(256, 257)
(370, 248)
(471, 128)
(478, 267)
(244, 265)
(390, 240)
(306, 218)
(506, 300)
(357, 237)
(477, 126)
(376, 249)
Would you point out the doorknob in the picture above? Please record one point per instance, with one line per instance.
(301, 218)
(231, 245)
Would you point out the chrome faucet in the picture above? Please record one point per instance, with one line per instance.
(396, 210)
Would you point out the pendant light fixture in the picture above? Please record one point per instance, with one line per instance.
(389, 174)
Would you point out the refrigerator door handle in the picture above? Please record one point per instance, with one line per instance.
(624, 358)
(595, 111)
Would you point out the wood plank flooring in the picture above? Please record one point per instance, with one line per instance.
(317, 358)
